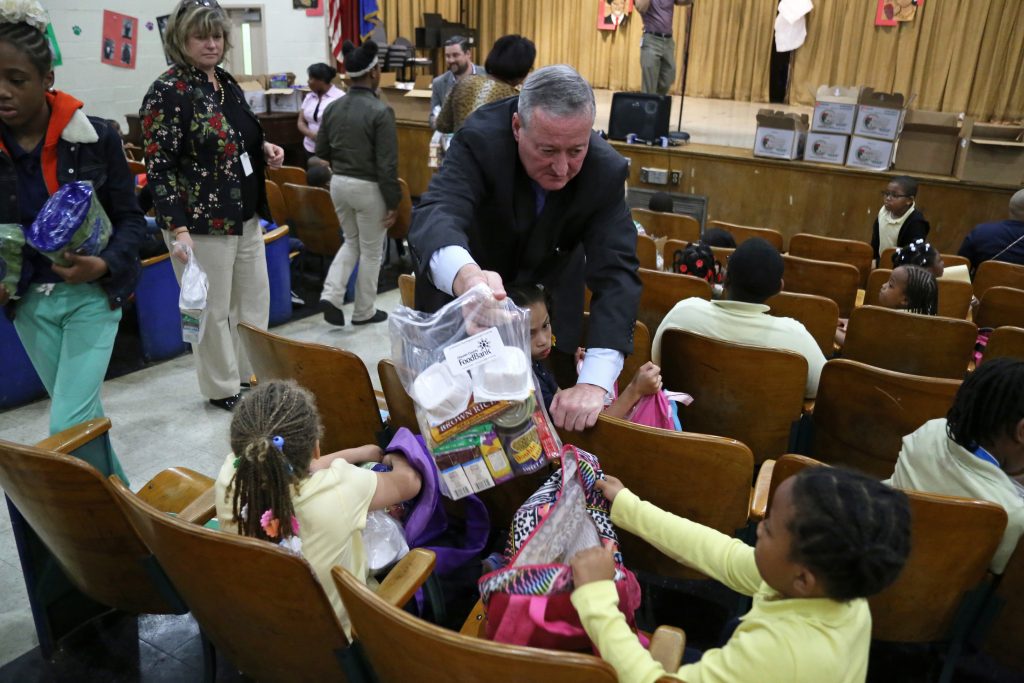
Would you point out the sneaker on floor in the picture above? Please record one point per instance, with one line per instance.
(297, 300)
(378, 317)
(332, 314)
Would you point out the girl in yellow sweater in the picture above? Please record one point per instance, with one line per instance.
(831, 539)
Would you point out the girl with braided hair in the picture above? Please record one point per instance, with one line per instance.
(910, 288)
(832, 538)
(276, 485)
(977, 450)
(920, 253)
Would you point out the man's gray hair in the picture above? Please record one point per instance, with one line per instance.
(559, 90)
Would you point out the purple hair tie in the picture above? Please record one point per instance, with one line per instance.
(278, 442)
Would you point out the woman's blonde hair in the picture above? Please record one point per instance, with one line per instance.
(192, 18)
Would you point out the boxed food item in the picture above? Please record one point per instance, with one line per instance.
(826, 148)
(928, 142)
(780, 135)
(879, 114)
(991, 153)
(467, 369)
(284, 99)
(255, 95)
(835, 109)
(869, 153)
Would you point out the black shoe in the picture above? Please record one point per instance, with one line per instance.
(332, 314)
(378, 317)
(227, 404)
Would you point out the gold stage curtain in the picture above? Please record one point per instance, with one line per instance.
(955, 56)
(731, 49)
(564, 32)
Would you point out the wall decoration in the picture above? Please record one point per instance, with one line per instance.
(161, 24)
(120, 39)
(611, 14)
(305, 4)
(317, 10)
(892, 12)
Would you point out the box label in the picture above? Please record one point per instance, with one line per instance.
(826, 149)
(878, 122)
(834, 117)
(868, 153)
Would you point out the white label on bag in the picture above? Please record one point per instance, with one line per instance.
(473, 351)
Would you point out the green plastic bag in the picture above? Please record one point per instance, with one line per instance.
(12, 239)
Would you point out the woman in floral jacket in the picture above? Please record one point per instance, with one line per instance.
(205, 157)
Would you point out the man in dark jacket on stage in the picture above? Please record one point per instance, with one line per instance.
(530, 194)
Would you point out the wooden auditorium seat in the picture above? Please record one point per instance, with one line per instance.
(836, 281)
(703, 478)
(862, 413)
(954, 295)
(401, 409)
(287, 174)
(748, 393)
(1001, 640)
(312, 219)
(950, 260)
(1006, 341)
(662, 291)
(742, 233)
(771, 474)
(928, 345)
(675, 226)
(853, 252)
(403, 219)
(136, 167)
(259, 604)
(407, 289)
(275, 198)
(73, 510)
(1000, 306)
(997, 274)
(817, 314)
(647, 252)
(337, 378)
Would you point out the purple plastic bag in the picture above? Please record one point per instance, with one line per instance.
(72, 219)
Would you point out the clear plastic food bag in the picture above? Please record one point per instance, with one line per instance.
(192, 300)
(467, 368)
(12, 239)
(72, 219)
(384, 540)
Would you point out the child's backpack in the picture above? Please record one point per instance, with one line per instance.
(527, 601)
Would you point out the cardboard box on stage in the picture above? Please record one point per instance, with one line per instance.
(869, 153)
(835, 109)
(826, 148)
(879, 114)
(991, 153)
(928, 143)
(780, 135)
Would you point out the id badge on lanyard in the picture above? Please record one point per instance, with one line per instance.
(246, 163)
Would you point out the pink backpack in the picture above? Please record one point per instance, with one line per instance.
(527, 601)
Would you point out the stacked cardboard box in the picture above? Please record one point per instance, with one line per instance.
(877, 127)
(835, 112)
(272, 92)
(780, 135)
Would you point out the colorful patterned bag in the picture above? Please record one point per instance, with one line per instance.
(527, 601)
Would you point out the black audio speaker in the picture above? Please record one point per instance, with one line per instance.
(646, 116)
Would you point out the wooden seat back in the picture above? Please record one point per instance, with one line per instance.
(275, 198)
(853, 252)
(403, 219)
(703, 478)
(1002, 641)
(646, 252)
(836, 281)
(928, 345)
(952, 542)
(312, 218)
(72, 508)
(862, 413)
(816, 313)
(954, 295)
(1001, 306)
(743, 392)
(259, 604)
(432, 653)
(1005, 342)
(136, 167)
(675, 226)
(950, 260)
(662, 291)
(742, 233)
(287, 174)
(401, 409)
(997, 274)
(337, 378)
(407, 289)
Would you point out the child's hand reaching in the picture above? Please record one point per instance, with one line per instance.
(593, 564)
(609, 487)
(648, 379)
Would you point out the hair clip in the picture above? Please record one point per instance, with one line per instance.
(271, 525)
(278, 442)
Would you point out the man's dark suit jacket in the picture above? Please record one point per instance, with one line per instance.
(483, 201)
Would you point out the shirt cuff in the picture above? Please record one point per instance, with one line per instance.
(445, 264)
(601, 367)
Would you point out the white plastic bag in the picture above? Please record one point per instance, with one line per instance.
(384, 540)
(192, 301)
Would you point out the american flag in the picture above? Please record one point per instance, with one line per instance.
(334, 27)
